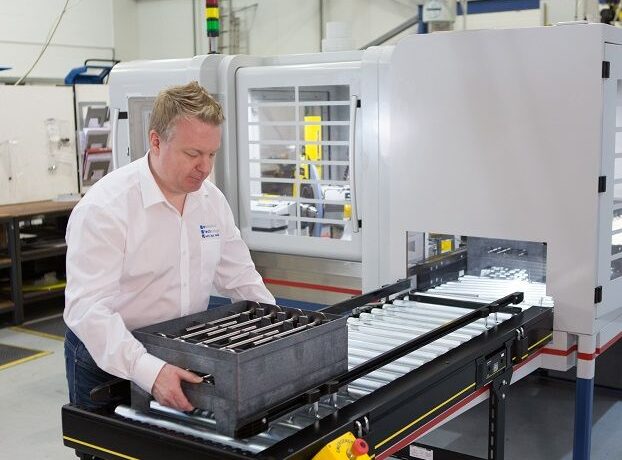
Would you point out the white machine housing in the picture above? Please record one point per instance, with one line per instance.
(335, 262)
(518, 125)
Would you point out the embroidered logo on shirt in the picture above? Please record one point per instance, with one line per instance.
(209, 231)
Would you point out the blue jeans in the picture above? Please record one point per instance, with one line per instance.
(82, 374)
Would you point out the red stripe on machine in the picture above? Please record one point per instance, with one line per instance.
(556, 352)
(608, 344)
(583, 356)
(586, 356)
(316, 287)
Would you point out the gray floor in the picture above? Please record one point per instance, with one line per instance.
(540, 421)
(539, 426)
(31, 395)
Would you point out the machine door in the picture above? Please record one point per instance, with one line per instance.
(139, 111)
(130, 136)
(297, 132)
(610, 216)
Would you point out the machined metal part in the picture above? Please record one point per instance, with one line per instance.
(247, 324)
(297, 323)
(250, 328)
(198, 328)
(225, 335)
(282, 322)
(241, 343)
(318, 318)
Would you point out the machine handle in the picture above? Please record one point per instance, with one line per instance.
(114, 121)
(114, 62)
(354, 216)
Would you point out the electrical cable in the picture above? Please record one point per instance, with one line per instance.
(47, 43)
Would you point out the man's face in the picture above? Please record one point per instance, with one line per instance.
(184, 161)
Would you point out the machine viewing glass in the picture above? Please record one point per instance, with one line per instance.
(299, 160)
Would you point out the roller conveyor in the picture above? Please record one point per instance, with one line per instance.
(401, 321)
(375, 329)
(469, 287)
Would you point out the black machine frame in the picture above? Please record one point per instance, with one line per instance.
(387, 418)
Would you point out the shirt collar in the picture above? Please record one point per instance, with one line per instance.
(150, 190)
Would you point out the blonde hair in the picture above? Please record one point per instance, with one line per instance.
(188, 101)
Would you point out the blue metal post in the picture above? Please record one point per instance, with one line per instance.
(583, 419)
(422, 27)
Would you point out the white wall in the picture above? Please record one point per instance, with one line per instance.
(502, 20)
(369, 19)
(275, 27)
(282, 27)
(154, 29)
(125, 29)
(268, 27)
(165, 29)
(84, 32)
(160, 29)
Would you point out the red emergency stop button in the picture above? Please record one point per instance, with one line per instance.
(359, 447)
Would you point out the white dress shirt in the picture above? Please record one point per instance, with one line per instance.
(133, 260)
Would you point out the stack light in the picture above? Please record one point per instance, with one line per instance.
(212, 24)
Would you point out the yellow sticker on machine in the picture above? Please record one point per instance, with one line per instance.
(446, 246)
(340, 449)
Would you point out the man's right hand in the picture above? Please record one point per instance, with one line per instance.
(167, 387)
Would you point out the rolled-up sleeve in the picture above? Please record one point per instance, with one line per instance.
(95, 253)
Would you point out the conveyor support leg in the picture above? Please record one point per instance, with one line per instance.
(496, 418)
(496, 405)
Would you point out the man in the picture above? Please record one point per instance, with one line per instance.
(148, 243)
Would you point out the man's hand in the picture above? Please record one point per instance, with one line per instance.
(167, 387)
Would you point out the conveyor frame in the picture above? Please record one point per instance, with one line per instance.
(384, 417)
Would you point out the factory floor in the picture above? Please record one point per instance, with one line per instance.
(31, 395)
(539, 424)
(539, 413)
